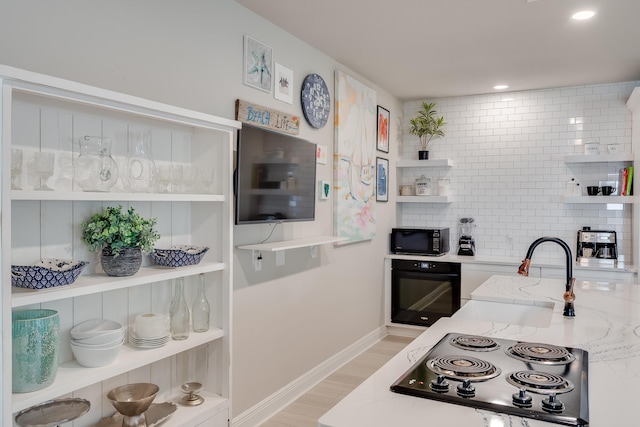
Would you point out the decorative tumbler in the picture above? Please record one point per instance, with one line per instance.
(35, 348)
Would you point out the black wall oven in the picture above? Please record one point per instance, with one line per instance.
(423, 291)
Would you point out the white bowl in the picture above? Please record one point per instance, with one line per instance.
(102, 338)
(109, 344)
(93, 327)
(95, 357)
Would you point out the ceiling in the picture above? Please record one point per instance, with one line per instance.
(418, 49)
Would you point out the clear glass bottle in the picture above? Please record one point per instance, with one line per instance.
(179, 312)
(141, 168)
(201, 309)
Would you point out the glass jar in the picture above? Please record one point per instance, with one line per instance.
(200, 309)
(95, 169)
(179, 312)
(443, 186)
(423, 186)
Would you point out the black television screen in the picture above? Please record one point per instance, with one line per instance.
(275, 177)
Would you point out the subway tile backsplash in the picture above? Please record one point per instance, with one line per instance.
(509, 171)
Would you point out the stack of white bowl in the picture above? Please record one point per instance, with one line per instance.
(96, 342)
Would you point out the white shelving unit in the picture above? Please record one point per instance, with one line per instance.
(41, 113)
(599, 158)
(421, 164)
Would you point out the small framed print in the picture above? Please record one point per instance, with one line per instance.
(258, 64)
(321, 154)
(382, 179)
(283, 88)
(383, 130)
(324, 190)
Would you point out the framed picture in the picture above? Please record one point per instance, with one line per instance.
(283, 84)
(258, 64)
(382, 179)
(383, 130)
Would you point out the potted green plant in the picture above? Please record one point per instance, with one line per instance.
(425, 125)
(121, 237)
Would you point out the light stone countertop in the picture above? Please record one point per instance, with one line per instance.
(607, 325)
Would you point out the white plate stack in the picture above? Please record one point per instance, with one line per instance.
(156, 342)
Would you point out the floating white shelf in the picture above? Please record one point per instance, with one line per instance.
(431, 163)
(598, 158)
(424, 199)
(292, 244)
(113, 196)
(599, 199)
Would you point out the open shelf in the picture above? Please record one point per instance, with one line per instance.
(292, 244)
(92, 283)
(430, 163)
(599, 199)
(71, 376)
(424, 199)
(597, 158)
(114, 196)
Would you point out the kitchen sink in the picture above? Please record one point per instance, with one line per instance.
(510, 313)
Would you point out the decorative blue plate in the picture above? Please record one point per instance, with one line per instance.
(178, 255)
(47, 273)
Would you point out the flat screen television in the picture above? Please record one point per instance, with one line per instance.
(275, 177)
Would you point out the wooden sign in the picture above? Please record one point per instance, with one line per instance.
(268, 118)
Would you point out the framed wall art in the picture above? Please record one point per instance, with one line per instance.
(382, 179)
(283, 84)
(354, 159)
(258, 64)
(383, 130)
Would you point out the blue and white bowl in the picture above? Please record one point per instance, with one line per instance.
(178, 255)
(47, 273)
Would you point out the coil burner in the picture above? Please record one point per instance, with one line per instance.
(540, 353)
(463, 367)
(539, 382)
(474, 343)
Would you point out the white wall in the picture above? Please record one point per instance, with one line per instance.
(286, 319)
(509, 171)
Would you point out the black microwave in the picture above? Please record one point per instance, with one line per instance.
(420, 241)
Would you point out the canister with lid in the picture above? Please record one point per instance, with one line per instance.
(423, 186)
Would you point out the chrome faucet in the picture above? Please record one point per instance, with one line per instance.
(569, 297)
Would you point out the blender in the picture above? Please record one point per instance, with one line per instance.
(466, 244)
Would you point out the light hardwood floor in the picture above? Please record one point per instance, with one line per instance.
(305, 411)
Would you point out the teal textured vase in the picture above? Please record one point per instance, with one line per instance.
(35, 348)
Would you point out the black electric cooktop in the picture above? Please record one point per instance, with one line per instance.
(532, 380)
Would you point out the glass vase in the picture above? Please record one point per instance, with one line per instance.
(35, 349)
(200, 309)
(179, 312)
(141, 168)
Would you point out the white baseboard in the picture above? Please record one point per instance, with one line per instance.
(273, 404)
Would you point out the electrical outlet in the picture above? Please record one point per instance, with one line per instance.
(257, 260)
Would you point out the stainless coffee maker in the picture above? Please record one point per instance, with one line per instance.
(596, 246)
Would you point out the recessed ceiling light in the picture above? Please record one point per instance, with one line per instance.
(583, 14)
(500, 87)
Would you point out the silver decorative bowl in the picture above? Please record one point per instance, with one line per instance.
(132, 400)
(178, 255)
(47, 273)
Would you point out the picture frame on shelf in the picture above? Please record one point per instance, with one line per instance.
(382, 135)
(382, 179)
(258, 64)
(283, 87)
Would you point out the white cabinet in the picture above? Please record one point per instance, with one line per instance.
(409, 179)
(44, 114)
